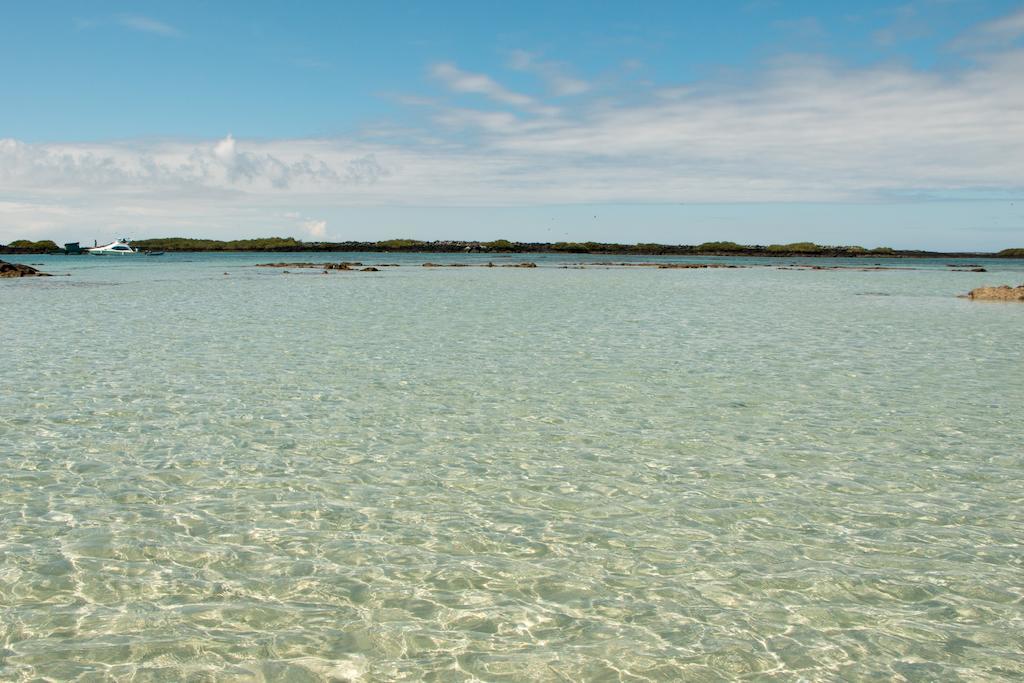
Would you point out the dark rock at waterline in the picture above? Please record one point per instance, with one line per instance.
(19, 270)
(526, 264)
(371, 269)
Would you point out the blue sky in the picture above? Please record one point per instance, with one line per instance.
(759, 121)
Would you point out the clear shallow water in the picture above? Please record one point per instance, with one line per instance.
(505, 474)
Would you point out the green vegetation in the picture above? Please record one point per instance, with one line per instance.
(30, 247)
(883, 251)
(499, 245)
(721, 246)
(573, 247)
(399, 244)
(797, 248)
(651, 248)
(189, 244)
(1012, 253)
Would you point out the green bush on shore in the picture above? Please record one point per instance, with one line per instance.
(191, 244)
(40, 247)
(572, 247)
(1017, 252)
(399, 244)
(797, 248)
(721, 246)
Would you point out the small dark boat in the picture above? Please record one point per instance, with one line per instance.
(154, 253)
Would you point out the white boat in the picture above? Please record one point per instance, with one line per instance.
(120, 246)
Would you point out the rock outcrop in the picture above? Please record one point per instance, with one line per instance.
(1001, 293)
(19, 270)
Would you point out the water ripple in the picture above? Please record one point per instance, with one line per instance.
(517, 475)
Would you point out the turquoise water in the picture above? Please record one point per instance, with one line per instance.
(509, 474)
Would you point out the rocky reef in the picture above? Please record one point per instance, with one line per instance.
(19, 270)
(1001, 293)
(343, 265)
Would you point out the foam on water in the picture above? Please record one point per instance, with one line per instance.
(503, 474)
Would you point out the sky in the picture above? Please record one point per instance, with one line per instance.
(874, 123)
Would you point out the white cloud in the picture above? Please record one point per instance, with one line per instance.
(461, 81)
(225, 150)
(995, 34)
(553, 73)
(316, 229)
(147, 25)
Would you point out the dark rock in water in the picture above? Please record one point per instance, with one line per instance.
(978, 270)
(371, 269)
(344, 265)
(527, 264)
(1001, 293)
(19, 270)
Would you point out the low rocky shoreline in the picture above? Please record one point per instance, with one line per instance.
(501, 246)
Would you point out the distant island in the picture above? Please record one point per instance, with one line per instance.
(289, 244)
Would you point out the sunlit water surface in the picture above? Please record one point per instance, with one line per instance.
(211, 471)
